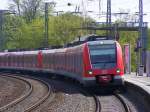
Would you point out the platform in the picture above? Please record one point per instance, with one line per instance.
(141, 81)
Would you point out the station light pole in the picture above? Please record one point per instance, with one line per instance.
(47, 2)
(46, 25)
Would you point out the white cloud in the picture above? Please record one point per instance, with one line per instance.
(4, 4)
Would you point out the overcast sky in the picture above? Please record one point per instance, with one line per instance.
(130, 6)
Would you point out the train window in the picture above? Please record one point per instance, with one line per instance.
(32, 60)
(103, 56)
(0, 61)
(47, 60)
(80, 63)
(21, 56)
(35, 58)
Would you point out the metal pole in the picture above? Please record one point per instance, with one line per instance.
(46, 25)
(129, 58)
(1, 30)
(141, 28)
(99, 8)
(108, 19)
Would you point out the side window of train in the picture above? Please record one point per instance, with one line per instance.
(79, 62)
(45, 59)
(53, 57)
(57, 59)
(18, 60)
(21, 60)
(34, 56)
(15, 60)
(0, 61)
(31, 59)
(27, 60)
(35, 62)
(24, 60)
(73, 62)
(50, 59)
(76, 61)
(11, 64)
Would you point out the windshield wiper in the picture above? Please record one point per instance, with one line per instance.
(103, 62)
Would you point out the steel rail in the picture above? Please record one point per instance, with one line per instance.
(16, 101)
(98, 105)
(49, 92)
(126, 106)
(97, 101)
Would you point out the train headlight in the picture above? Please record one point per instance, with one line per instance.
(118, 70)
(101, 42)
(90, 72)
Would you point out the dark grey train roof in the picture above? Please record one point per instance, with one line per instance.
(101, 42)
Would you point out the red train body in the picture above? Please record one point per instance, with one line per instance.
(94, 62)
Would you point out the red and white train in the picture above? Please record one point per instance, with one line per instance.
(93, 62)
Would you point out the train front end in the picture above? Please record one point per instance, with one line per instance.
(103, 63)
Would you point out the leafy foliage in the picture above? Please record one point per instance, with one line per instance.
(128, 37)
(21, 34)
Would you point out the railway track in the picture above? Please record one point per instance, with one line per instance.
(22, 97)
(112, 103)
(66, 96)
(106, 106)
(109, 101)
(126, 106)
(98, 104)
(39, 91)
(49, 91)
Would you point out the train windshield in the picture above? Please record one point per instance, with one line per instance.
(103, 56)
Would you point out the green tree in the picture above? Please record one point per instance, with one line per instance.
(29, 9)
(128, 37)
(63, 28)
(20, 34)
(12, 30)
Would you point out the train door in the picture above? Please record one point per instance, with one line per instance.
(40, 59)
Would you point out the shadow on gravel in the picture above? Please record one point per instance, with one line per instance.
(71, 86)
